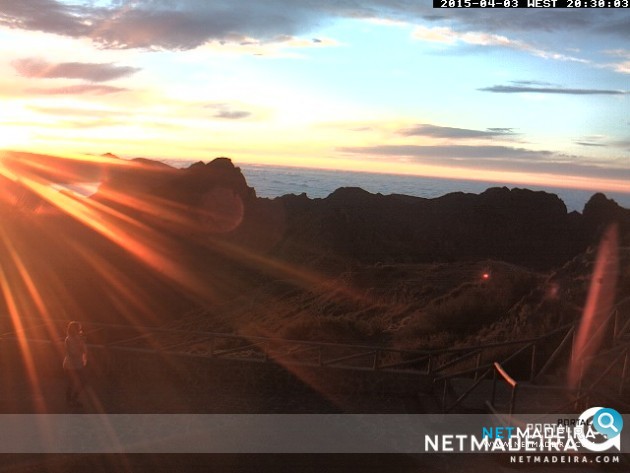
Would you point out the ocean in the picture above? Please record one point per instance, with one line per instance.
(274, 181)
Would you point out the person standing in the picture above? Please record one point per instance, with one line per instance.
(74, 363)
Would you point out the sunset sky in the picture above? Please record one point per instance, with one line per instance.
(521, 96)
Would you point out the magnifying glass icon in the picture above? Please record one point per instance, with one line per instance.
(610, 421)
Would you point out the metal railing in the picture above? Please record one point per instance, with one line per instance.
(441, 364)
(487, 370)
(620, 350)
(270, 349)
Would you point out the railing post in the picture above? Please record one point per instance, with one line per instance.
(532, 372)
(624, 373)
(494, 386)
(513, 399)
(444, 392)
(615, 324)
(478, 364)
(430, 365)
(376, 358)
(561, 348)
(579, 386)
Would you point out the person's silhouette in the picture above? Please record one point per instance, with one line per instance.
(74, 363)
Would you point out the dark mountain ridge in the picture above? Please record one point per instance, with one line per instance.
(155, 241)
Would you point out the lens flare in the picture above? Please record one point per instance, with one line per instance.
(599, 303)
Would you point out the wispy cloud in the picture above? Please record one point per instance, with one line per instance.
(514, 89)
(604, 142)
(280, 46)
(93, 72)
(589, 143)
(495, 158)
(447, 35)
(622, 64)
(232, 114)
(79, 89)
(439, 152)
(623, 144)
(226, 112)
(435, 131)
(78, 112)
(532, 82)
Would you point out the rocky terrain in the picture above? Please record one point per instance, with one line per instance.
(196, 248)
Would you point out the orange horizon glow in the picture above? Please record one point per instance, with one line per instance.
(378, 167)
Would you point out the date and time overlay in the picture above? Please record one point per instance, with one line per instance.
(531, 3)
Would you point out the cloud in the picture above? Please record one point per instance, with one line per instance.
(435, 131)
(46, 15)
(531, 82)
(93, 72)
(232, 114)
(511, 89)
(584, 21)
(281, 46)
(619, 25)
(439, 152)
(622, 65)
(186, 24)
(604, 141)
(496, 158)
(77, 90)
(448, 35)
(224, 111)
(85, 124)
(78, 112)
(589, 143)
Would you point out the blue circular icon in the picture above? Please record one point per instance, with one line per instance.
(608, 422)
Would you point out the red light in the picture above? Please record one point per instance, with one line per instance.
(486, 276)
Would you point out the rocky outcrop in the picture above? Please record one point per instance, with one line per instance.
(518, 225)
